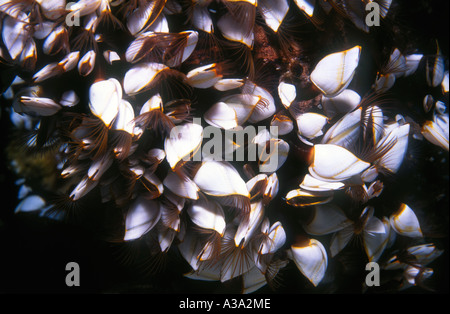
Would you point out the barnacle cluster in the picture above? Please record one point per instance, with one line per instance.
(111, 104)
